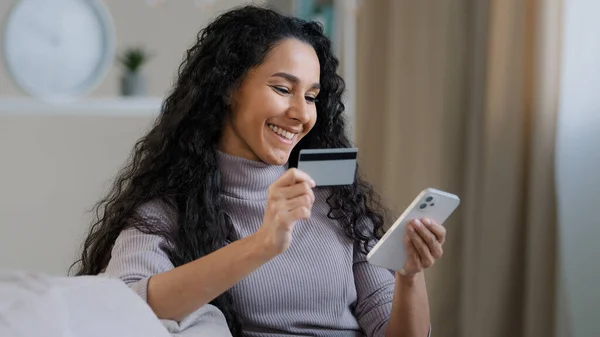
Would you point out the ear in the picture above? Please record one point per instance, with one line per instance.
(232, 95)
(231, 103)
(229, 99)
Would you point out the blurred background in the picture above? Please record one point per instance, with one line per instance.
(497, 101)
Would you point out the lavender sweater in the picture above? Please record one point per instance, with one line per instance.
(321, 286)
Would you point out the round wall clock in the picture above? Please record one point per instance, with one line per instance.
(58, 50)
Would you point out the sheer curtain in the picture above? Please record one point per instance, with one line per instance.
(462, 95)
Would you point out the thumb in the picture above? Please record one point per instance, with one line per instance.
(292, 177)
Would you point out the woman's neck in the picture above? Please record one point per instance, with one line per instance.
(245, 178)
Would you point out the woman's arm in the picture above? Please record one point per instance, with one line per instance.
(410, 307)
(396, 304)
(173, 293)
(176, 293)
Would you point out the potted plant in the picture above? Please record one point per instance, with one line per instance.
(133, 81)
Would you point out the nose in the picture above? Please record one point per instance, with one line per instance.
(299, 110)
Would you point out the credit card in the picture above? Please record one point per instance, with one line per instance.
(329, 167)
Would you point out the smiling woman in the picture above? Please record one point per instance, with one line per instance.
(275, 106)
(208, 217)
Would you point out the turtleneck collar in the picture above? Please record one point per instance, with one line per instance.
(246, 179)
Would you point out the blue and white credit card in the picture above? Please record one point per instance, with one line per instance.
(329, 167)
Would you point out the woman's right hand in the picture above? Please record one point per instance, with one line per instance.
(290, 198)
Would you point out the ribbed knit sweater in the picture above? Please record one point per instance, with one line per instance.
(321, 286)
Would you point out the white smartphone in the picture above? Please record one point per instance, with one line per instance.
(431, 203)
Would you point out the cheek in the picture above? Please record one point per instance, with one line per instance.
(252, 116)
(265, 106)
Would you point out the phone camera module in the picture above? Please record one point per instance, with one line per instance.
(429, 199)
(423, 206)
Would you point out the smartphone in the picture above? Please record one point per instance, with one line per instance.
(431, 203)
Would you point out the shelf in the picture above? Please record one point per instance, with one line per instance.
(117, 107)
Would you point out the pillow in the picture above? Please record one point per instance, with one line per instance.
(34, 304)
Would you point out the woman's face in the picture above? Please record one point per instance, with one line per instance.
(275, 105)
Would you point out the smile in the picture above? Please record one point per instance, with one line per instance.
(283, 133)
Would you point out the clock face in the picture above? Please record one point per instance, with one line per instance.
(58, 50)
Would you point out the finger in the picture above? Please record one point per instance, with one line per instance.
(434, 246)
(438, 230)
(293, 176)
(299, 213)
(425, 233)
(413, 261)
(295, 191)
(411, 251)
(303, 200)
(422, 248)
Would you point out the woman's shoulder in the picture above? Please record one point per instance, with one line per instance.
(158, 211)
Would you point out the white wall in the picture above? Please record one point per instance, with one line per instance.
(52, 171)
(578, 171)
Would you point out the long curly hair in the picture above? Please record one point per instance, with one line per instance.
(176, 161)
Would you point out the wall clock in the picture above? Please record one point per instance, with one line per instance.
(58, 50)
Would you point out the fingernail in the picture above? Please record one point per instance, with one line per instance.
(426, 221)
(417, 223)
(402, 272)
(312, 183)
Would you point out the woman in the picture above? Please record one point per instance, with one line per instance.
(208, 213)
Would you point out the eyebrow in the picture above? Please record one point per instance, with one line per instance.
(295, 79)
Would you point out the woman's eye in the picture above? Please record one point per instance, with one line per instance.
(311, 99)
(282, 90)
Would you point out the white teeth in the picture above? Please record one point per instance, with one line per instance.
(282, 132)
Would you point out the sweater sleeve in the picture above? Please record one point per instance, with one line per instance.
(375, 292)
(137, 256)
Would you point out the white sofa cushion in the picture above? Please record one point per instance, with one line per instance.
(34, 304)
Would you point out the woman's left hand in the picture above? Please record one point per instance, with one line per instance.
(423, 241)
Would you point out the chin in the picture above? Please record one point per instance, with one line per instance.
(276, 157)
